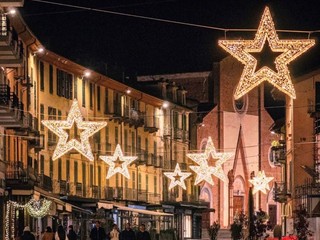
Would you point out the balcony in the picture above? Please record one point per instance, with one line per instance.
(143, 157)
(170, 196)
(113, 193)
(189, 198)
(64, 187)
(178, 133)
(11, 109)
(154, 198)
(96, 192)
(150, 159)
(142, 196)
(278, 155)
(136, 118)
(280, 192)
(19, 178)
(158, 162)
(11, 49)
(45, 182)
(151, 124)
(185, 135)
(78, 191)
(11, 3)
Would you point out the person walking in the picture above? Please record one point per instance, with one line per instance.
(127, 233)
(71, 234)
(48, 234)
(142, 233)
(27, 235)
(98, 232)
(60, 234)
(114, 233)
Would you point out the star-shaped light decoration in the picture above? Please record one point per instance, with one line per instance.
(177, 177)
(118, 163)
(260, 182)
(60, 127)
(204, 170)
(252, 77)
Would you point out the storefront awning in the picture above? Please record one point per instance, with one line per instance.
(142, 211)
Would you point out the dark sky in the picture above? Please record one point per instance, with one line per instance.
(148, 47)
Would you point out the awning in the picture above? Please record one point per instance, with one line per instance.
(142, 211)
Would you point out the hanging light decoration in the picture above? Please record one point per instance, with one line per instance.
(118, 163)
(177, 177)
(59, 127)
(38, 208)
(251, 77)
(260, 182)
(204, 171)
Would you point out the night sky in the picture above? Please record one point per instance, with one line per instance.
(141, 47)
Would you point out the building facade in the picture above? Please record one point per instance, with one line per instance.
(241, 127)
(36, 85)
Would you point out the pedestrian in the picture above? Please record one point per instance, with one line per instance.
(114, 233)
(48, 234)
(98, 232)
(127, 233)
(27, 235)
(142, 233)
(72, 234)
(60, 234)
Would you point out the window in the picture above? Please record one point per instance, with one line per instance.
(84, 178)
(139, 182)
(41, 76)
(91, 175)
(68, 169)
(51, 167)
(133, 180)
(155, 184)
(133, 143)
(98, 98)
(99, 176)
(117, 180)
(75, 172)
(83, 92)
(41, 116)
(64, 84)
(51, 79)
(52, 116)
(184, 122)
(175, 119)
(91, 95)
(41, 164)
(116, 133)
(108, 148)
(106, 102)
(59, 114)
(147, 183)
(59, 168)
(75, 88)
(139, 144)
(126, 141)
(146, 142)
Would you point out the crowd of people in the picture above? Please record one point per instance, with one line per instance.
(96, 233)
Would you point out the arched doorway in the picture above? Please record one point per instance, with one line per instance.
(238, 195)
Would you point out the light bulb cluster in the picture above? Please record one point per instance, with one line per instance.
(260, 182)
(119, 159)
(251, 77)
(59, 127)
(177, 177)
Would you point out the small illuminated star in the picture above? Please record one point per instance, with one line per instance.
(260, 182)
(251, 77)
(177, 177)
(118, 163)
(74, 119)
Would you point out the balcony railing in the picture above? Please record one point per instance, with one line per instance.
(151, 123)
(280, 192)
(45, 182)
(96, 192)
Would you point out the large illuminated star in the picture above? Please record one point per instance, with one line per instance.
(177, 177)
(204, 172)
(260, 182)
(203, 158)
(251, 77)
(118, 163)
(87, 128)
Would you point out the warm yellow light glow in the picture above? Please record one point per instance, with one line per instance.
(204, 171)
(59, 127)
(177, 177)
(251, 77)
(118, 157)
(260, 182)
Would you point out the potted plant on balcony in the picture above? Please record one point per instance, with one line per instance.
(213, 230)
